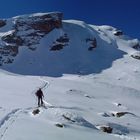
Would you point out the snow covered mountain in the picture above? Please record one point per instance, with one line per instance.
(43, 44)
(89, 74)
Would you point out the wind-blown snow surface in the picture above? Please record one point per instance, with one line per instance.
(86, 90)
(88, 102)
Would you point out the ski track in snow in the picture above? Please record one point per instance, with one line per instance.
(11, 117)
(7, 121)
(124, 137)
(45, 84)
(72, 91)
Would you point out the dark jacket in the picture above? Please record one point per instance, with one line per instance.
(39, 93)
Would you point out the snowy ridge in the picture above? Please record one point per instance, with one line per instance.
(74, 44)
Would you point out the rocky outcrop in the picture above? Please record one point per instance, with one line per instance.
(60, 43)
(118, 33)
(47, 22)
(106, 129)
(92, 43)
(13, 39)
(57, 47)
(37, 26)
(36, 111)
(59, 125)
(28, 31)
(2, 23)
(136, 55)
(121, 114)
(136, 46)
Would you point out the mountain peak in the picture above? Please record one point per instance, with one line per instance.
(52, 46)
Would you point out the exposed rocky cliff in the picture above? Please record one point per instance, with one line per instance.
(25, 31)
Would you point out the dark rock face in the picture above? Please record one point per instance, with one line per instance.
(28, 31)
(120, 114)
(2, 23)
(57, 47)
(13, 39)
(106, 129)
(63, 39)
(36, 111)
(46, 25)
(136, 46)
(59, 125)
(12, 50)
(118, 33)
(60, 43)
(92, 42)
(36, 27)
(136, 56)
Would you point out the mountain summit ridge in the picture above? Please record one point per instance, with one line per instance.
(72, 46)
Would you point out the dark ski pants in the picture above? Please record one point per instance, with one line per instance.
(40, 101)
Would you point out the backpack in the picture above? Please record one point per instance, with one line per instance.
(39, 93)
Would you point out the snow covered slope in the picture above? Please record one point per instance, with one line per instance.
(43, 44)
(89, 74)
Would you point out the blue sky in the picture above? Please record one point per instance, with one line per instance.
(123, 14)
